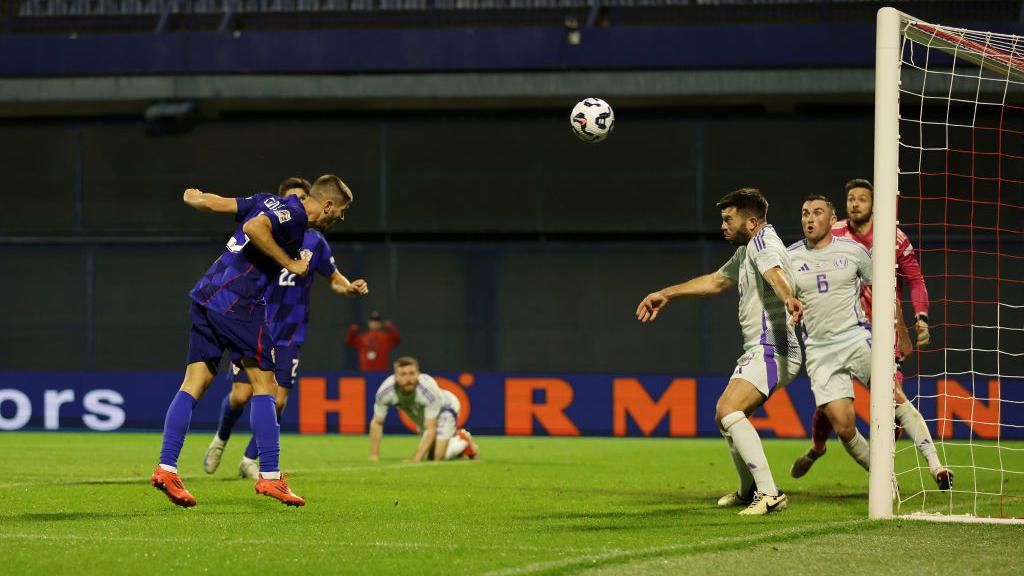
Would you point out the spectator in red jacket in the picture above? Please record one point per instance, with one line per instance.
(374, 344)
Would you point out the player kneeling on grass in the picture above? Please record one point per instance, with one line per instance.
(768, 308)
(435, 412)
(837, 336)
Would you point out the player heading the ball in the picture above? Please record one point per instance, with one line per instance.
(229, 313)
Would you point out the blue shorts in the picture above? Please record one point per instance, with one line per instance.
(286, 373)
(212, 333)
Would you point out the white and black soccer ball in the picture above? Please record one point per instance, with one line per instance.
(592, 120)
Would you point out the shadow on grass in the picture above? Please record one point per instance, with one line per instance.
(33, 517)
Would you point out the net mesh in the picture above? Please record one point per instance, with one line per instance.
(961, 205)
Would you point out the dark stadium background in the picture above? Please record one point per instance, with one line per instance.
(488, 234)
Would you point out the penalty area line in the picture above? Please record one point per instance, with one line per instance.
(672, 549)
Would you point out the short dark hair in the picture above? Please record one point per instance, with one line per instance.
(293, 182)
(746, 200)
(859, 183)
(330, 187)
(406, 361)
(813, 197)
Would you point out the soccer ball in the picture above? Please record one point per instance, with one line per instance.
(592, 120)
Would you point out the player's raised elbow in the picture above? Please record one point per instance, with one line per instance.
(256, 225)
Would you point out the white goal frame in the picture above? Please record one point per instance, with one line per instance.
(888, 61)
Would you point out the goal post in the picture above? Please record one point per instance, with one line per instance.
(949, 177)
(883, 305)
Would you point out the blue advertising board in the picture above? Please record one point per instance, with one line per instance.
(492, 403)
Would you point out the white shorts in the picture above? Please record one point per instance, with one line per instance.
(448, 419)
(762, 367)
(832, 368)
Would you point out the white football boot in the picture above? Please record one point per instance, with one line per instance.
(213, 454)
(765, 504)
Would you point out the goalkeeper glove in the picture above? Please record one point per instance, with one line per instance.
(923, 336)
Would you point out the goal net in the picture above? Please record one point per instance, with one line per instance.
(949, 171)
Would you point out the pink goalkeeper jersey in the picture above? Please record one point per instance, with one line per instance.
(907, 267)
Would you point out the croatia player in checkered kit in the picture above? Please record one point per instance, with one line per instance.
(771, 353)
(228, 313)
(829, 273)
(287, 316)
(435, 412)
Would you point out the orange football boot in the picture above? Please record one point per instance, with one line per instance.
(278, 490)
(170, 484)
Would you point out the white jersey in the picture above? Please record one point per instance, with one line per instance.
(762, 315)
(425, 402)
(828, 283)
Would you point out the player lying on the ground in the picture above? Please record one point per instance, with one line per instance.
(859, 227)
(771, 352)
(287, 315)
(435, 412)
(228, 313)
(829, 273)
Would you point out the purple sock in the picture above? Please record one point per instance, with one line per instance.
(263, 419)
(251, 452)
(179, 415)
(228, 417)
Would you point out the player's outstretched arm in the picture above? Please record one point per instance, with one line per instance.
(705, 285)
(776, 278)
(206, 202)
(341, 285)
(261, 235)
(427, 441)
(376, 433)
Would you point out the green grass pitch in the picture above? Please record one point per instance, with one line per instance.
(82, 504)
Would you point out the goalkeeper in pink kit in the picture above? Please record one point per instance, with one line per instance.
(859, 227)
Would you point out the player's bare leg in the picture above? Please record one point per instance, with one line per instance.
(739, 400)
(231, 410)
(263, 417)
(198, 376)
(840, 412)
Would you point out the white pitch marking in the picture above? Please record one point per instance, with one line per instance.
(673, 548)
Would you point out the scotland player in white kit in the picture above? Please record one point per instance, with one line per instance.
(434, 411)
(771, 352)
(829, 273)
